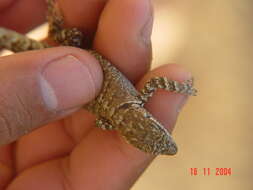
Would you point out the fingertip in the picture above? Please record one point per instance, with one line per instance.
(71, 79)
(176, 72)
(90, 62)
(123, 36)
(173, 71)
(83, 15)
(164, 105)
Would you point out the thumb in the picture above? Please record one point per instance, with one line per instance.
(38, 87)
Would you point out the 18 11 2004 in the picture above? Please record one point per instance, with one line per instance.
(211, 171)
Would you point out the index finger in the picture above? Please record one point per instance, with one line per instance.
(22, 16)
(124, 36)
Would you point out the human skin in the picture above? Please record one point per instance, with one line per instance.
(68, 151)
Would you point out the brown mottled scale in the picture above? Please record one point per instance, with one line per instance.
(116, 91)
(119, 106)
(143, 131)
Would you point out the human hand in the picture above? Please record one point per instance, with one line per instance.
(39, 87)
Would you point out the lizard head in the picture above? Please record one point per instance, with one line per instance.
(143, 131)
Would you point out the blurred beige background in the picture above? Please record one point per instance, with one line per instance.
(214, 40)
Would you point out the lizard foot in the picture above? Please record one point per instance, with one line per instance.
(104, 124)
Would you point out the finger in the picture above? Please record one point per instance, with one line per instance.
(22, 16)
(82, 14)
(123, 36)
(109, 154)
(40, 86)
(33, 149)
(6, 165)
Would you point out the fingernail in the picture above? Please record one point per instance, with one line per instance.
(66, 83)
(146, 30)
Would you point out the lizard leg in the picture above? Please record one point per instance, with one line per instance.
(104, 124)
(164, 83)
(64, 36)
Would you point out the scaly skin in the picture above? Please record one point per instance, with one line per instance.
(119, 106)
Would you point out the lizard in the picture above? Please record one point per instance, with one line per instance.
(119, 106)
